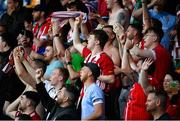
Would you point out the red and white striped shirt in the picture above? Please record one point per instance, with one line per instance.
(40, 31)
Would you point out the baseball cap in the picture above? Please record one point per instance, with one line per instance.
(94, 69)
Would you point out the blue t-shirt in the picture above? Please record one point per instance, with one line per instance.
(41, 50)
(53, 65)
(92, 96)
(168, 22)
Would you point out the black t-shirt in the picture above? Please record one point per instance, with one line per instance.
(15, 21)
(56, 112)
(165, 116)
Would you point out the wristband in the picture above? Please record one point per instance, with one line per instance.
(69, 63)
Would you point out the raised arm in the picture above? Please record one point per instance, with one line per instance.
(46, 100)
(143, 76)
(143, 53)
(71, 22)
(146, 18)
(76, 36)
(120, 35)
(12, 108)
(84, 30)
(137, 13)
(22, 73)
(29, 68)
(72, 73)
(125, 59)
(57, 39)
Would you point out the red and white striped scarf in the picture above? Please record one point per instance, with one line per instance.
(65, 15)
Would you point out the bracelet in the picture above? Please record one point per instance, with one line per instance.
(69, 63)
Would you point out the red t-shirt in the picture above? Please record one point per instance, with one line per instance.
(103, 61)
(162, 65)
(41, 32)
(33, 115)
(102, 8)
(173, 110)
(136, 108)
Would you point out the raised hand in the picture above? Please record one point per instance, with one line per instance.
(120, 32)
(78, 20)
(146, 64)
(118, 28)
(55, 26)
(39, 73)
(15, 52)
(18, 53)
(21, 53)
(67, 56)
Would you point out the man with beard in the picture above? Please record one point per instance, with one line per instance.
(25, 104)
(62, 108)
(92, 106)
(156, 105)
(93, 52)
(51, 59)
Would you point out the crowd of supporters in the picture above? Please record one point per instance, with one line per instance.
(90, 60)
